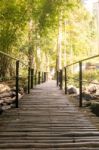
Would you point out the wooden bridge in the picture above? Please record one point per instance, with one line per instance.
(47, 120)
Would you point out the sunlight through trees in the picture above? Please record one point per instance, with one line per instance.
(45, 33)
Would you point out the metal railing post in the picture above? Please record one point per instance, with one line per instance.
(32, 78)
(17, 82)
(39, 73)
(80, 84)
(44, 76)
(61, 79)
(35, 78)
(57, 76)
(29, 80)
(65, 80)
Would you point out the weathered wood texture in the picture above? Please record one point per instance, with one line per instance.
(46, 120)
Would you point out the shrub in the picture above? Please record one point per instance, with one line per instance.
(95, 108)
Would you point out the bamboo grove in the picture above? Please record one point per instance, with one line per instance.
(45, 33)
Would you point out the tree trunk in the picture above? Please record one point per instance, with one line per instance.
(65, 55)
(31, 48)
(59, 45)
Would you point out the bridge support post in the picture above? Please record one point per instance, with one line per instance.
(45, 76)
(39, 73)
(42, 77)
(32, 78)
(80, 84)
(17, 82)
(29, 72)
(65, 80)
(61, 79)
(57, 76)
(35, 78)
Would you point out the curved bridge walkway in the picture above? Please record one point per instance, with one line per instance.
(46, 120)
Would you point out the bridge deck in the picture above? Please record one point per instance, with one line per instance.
(46, 120)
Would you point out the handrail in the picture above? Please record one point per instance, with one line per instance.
(8, 55)
(31, 76)
(85, 59)
(81, 81)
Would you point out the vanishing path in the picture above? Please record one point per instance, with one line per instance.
(46, 120)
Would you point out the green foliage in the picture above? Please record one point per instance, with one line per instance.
(91, 75)
(25, 40)
(88, 77)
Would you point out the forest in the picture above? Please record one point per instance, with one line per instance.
(45, 34)
(49, 75)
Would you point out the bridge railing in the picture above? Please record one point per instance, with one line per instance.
(31, 77)
(62, 77)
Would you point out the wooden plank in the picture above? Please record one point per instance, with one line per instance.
(46, 119)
